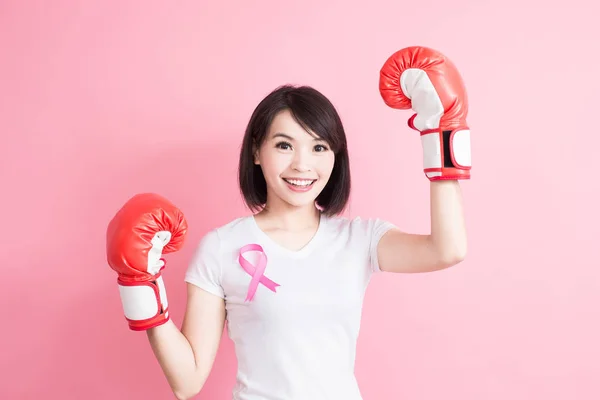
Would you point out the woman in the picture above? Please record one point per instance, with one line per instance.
(290, 278)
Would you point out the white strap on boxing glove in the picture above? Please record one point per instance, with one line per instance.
(428, 107)
(145, 303)
(144, 300)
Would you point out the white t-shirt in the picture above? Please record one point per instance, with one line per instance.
(299, 341)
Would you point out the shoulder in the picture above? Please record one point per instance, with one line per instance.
(228, 232)
(358, 225)
(209, 250)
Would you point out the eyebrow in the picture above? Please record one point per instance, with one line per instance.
(283, 135)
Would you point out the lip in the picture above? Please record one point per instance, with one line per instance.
(299, 189)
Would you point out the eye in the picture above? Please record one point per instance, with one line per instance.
(283, 145)
(320, 148)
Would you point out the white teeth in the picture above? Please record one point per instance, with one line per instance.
(299, 182)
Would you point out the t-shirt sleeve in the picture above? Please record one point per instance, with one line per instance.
(376, 229)
(204, 269)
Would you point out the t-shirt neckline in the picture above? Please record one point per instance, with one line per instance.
(272, 244)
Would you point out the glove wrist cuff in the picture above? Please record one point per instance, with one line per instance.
(145, 303)
(446, 153)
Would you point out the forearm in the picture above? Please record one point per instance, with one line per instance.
(448, 230)
(176, 358)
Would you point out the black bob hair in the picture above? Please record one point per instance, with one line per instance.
(314, 112)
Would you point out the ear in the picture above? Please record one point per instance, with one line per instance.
(256, 154)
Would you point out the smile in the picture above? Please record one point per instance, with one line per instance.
(300, 182)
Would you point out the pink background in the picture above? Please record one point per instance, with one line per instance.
(101, 100)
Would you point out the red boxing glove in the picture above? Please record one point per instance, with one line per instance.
(147, 226)
(425, 81)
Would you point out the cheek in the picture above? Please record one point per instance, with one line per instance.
(273, 164)
(326, 165)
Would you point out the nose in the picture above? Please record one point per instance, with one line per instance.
(301, 161)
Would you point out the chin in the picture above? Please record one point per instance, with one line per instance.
(300, 203)
(302, 200)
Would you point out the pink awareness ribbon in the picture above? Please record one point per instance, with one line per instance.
(256, 272)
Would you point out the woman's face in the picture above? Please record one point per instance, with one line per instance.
(296, 164)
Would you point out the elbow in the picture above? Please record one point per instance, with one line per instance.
(185, 395)
(460, 255)
(457, 259)
(450, 252)
(190, 390)
(453, 257)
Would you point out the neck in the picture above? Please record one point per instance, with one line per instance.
(290, 218)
